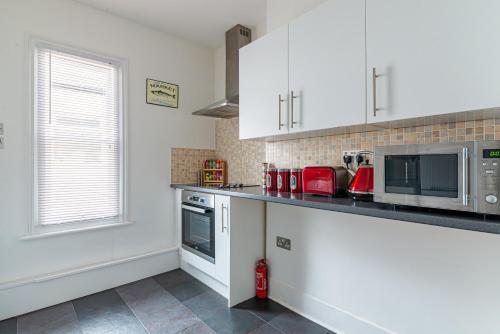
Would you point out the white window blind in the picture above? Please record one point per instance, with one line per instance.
(77, 138)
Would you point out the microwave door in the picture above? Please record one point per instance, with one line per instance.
(439, 175)
(434, 176)
(402, 174)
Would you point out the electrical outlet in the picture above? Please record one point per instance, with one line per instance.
(1, 129)
(351, 153)
(283, 243)
(2, 143)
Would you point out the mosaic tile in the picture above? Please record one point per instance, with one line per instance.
(244, 158)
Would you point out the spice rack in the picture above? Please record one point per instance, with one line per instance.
(214, 172)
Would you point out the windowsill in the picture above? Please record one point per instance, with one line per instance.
(42, 232)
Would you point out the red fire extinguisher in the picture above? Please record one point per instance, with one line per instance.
(261, 279)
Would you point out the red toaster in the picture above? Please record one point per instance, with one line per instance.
(329, 181)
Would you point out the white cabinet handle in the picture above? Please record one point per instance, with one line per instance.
(222, 212)
(291, 108)
(279, 111)
(374, 85)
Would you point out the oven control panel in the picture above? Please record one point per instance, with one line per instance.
(200, 199)
(488, 181)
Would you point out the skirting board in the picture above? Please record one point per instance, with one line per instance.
(50, 290)
(329, 316)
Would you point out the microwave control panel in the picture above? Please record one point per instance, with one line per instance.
(488, 194)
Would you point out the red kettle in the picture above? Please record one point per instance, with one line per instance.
(361, 186)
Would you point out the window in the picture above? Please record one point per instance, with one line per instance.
(78, 131)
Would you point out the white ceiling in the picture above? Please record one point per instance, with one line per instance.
(201, 21)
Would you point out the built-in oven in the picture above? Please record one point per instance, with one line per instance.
(198, 224)
(426, 175)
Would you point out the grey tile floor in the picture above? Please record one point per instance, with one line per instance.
(170, 303)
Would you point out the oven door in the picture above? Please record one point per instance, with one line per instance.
(198, 231)
(434, 176)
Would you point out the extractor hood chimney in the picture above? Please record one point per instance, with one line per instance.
(236, 37)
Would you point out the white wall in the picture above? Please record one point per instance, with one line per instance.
(365, 275)
(220, 73)
(152, 131)
(280, 12)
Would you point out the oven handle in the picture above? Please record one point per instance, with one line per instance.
(465, 176)
(195, 209)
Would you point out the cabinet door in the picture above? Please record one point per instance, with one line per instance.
(222, 230)
(263, 79)
(327, 66)
(431, 57)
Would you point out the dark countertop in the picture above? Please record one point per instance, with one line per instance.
(444, 218)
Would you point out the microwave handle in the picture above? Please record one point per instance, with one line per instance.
(465, 176)
(194, 209)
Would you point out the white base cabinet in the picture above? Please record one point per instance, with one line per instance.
(222, 238)
(239, 244)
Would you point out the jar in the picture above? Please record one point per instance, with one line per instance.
(263, 173)
(283, 180)
(296, 180)
(271, 178)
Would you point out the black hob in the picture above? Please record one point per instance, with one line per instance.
(235, 185)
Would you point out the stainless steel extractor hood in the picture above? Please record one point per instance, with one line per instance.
(236, 37)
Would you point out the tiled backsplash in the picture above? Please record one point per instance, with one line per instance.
(328, 150)
(244, 157)
(186, 162)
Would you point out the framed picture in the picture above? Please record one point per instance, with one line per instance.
(162, 93)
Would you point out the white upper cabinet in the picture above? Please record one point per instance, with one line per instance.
(350, 62)
(431, 57)
(327, 66)
(264, 86)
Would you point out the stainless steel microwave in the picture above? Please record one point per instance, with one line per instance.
(451, 176)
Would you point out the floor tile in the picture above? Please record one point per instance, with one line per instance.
(207, 304)
(156, 309)
(170, 303)
(146, 293)
(198, 328)
(106, 312)
(8, 326)
(173, 277)
(226, 321)
(292, 323)
(58, 319)
(266, 329)
(264, 308)
(187, 290)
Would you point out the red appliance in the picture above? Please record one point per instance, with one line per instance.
(261, 279)
(283, 180)
(329, 181)
(271, 179)
(296, 181)
(361, 186)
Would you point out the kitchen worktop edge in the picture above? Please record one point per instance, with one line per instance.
(442, 218)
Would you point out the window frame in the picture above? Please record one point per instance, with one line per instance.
(35, 228)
